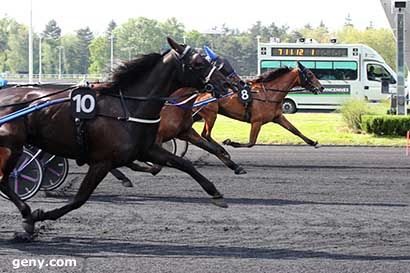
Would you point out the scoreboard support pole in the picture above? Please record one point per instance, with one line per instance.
(401, 92)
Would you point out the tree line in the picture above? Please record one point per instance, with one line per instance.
(83, 52)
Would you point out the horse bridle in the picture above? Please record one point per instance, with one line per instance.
(306, 81)
(185, 65)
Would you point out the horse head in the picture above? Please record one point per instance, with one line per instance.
(308, 80)
(196, 71)
(225, 67)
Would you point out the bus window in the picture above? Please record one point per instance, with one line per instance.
(269, 65)
(376, 72)
(335, 70)
(324, 70)
(308, 64)
(291, 64)
(347, 70)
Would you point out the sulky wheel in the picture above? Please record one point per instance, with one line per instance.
(55, 171)
(26, 177)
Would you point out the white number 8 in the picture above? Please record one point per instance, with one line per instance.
(80, 103)
(244, 94)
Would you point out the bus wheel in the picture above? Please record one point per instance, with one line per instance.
(289, 107)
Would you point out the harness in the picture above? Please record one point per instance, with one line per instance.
(84, 106)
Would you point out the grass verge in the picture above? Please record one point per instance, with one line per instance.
(327, 128)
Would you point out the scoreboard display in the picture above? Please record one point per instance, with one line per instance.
(309, 52)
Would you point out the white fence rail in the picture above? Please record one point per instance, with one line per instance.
(65, 77)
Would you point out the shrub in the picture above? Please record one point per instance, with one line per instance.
(384, 125)
(352, 112)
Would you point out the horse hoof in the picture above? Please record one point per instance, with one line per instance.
(127, 184)
(317, 145)
(227, 142)
(37, 215)
(219, 202)
(240, 170)
(155, 170)
(23, 237)
(28, 225)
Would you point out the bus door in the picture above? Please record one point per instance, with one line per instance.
(374, 74)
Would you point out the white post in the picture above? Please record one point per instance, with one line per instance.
(40, 72)
(30, 45)
(112, 52)
(401, 95)
(60, 49)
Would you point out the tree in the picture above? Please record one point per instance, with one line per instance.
(17, 52)
(195, 39)
(138, 36)
(72, 57)
(51, 41)
(84, 38)
(110, 29)
(7, 27)
(171, 27)
(99, 55)
(320, 34)
(381, 40)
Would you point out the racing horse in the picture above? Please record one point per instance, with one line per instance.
(123, 130)
(177, 121)
(267, 92)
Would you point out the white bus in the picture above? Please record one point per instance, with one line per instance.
(345, 70)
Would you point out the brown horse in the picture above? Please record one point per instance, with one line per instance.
(177, 121)
(268, 92)
(123, 130)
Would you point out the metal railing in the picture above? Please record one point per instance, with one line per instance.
(55, 77)
(66, 77)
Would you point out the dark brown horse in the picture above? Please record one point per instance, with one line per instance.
(124, 129)
(268, 92)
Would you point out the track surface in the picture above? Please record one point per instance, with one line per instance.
(299, 209)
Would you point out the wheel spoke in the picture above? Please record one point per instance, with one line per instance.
(56, 173)
(29, 178)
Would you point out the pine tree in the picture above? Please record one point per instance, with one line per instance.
(51, 41)
(85, 37)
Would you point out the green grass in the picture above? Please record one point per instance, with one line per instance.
(327, 128)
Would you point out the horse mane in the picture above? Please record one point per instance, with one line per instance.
(129, 72)
(272, 74)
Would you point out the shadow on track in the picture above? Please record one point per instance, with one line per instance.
(91, 247)
(232, 201)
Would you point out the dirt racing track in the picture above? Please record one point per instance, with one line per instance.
(299, 209)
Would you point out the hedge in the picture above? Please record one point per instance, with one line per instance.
(386, 125)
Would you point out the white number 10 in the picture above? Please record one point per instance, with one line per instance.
(81, 103)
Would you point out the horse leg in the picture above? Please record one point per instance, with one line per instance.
(193, 137)
(95, 175)
(8, 160)
(255, 129)
(209, 122)
(154, 169)
(158, 155)
(125, 181)
(282, 121)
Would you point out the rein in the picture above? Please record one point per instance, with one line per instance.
(41, 97)
(143, 98)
